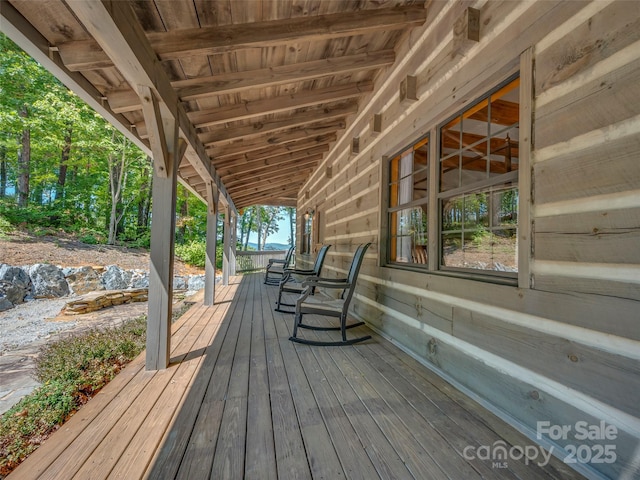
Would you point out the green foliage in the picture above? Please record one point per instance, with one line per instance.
(5, 226)
(71, 370)
(193, 253)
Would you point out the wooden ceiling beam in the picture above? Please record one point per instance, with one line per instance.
(300, 133)
(177, 44)
(316, 115)
(248, 162)
(272, 151)
(299, 158)
(196, 88)
(282, 103)
(122, 101)
(293, 174)
(254, 198)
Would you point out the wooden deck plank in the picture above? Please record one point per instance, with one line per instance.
(127, 450)
(418, 460)
(242, 401)
(481, 426)
(260, 461)
(197, 459)
(167, 461)
(321, 455)
(291, 458)
(228, 459)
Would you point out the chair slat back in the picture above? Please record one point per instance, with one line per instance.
(317, 266)
(356, 263)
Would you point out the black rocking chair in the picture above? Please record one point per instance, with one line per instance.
(320, 305)
(291, 282)
(277, 267)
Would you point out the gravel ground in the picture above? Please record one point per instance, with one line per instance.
(27, 323)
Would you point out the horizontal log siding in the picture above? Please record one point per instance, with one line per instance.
(567, 347)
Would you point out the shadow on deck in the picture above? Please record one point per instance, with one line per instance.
(241, 401)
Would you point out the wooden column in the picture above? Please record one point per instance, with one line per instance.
(226, 247)
(162, 248)
(210, 258)
(234, 241)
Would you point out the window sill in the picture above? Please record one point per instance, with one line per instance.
(463, 275)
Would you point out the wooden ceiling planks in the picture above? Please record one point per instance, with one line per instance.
(262, 81)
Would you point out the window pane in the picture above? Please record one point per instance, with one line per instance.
(505, 207)
(505, 108)
(478, 149)
(409, 235)
(452, 249)
(450, 153)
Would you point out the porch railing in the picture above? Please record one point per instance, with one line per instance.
(251, 261)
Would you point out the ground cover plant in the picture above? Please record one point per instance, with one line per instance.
(71, 371)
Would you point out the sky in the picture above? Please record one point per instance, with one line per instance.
(282, 236)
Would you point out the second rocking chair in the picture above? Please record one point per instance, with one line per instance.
(320, 305)
(292, 283)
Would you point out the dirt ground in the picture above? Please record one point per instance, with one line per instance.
(20, 249)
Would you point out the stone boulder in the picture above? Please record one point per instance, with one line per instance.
(140, 279)
(15, 284)
(115, 278)
(48, 281)
(5, 304)
(195, 283)
(83, 280)
(179, 282)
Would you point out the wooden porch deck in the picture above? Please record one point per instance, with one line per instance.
(241, 401)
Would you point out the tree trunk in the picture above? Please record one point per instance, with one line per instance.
(184, 213)
(259, 224)
(64, 158)
(3, 171)
(144, 204)
(117, 180)
(24, 164)
(292, 238)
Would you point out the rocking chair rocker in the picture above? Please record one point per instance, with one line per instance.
(311, 304)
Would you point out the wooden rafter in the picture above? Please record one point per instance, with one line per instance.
(313, 116)
(274, 150)
(306, 98)
(266, 180)
(177, 44)
(311, 155)
(126, 100)
(300, 133)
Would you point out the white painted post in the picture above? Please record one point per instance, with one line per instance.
(163, 223)
(226, 247)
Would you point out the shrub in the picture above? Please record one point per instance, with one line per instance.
(5, 226)
(192, 253)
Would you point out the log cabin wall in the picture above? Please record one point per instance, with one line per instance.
(561, 343)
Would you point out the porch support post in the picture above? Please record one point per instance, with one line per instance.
(234, 241)
(161, 268)
(212, 234)
(226, 247)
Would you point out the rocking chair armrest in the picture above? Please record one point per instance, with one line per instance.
(275, 260)
(326, 283)
(299, 272)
